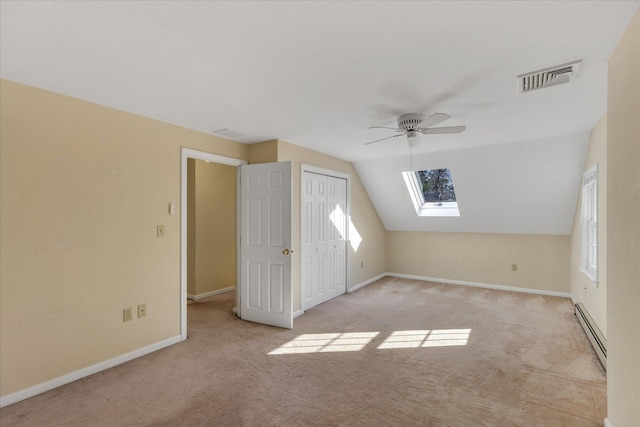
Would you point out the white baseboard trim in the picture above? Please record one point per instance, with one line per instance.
(210, 294)
(84, 372)
(482, 285)
(351, 289)
(366, 282)
(607, 423)
(573, 300)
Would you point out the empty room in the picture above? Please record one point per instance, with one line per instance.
(274, 213)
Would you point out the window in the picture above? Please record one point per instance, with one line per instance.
(432, 192)
(590, 224)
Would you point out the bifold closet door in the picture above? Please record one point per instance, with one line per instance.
(336, 236)
(314, 237)
(323, 238)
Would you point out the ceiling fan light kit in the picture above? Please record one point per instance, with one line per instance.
(412, 137)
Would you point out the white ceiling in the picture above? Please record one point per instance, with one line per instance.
(318, 74)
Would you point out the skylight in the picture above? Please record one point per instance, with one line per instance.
(432, 192)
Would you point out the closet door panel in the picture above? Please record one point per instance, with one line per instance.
(336, 245)
(323, 229)
(307, 240)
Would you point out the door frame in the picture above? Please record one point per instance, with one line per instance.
(185, 154)
(304, 167)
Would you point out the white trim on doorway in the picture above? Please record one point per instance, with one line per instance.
(188, 153)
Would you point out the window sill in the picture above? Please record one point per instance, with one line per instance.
(590, 276)
(438, 211)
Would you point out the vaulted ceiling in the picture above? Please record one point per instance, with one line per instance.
(319, 74)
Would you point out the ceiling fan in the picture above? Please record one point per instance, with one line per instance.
(414, 123)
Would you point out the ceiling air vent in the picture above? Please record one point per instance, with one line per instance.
(548, 77)
(226, 133)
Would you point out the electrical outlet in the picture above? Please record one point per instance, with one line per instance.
(127, 314)
(142, 310)
(160, 231)
(514, 267)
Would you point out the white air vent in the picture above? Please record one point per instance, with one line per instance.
(226, 133)
(548, 77)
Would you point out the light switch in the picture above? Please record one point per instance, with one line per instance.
(160, 231)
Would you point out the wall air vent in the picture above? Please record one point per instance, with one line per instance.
(548, 77)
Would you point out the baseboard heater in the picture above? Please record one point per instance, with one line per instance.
(598, 341)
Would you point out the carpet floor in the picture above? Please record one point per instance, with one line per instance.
(397, 352)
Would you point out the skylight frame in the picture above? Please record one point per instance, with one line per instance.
(422, 207)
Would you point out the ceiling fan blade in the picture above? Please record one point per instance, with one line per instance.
(434, 119)
(443, 130)
(383, 127)
(389, 137)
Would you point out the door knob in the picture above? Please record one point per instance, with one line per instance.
(286, 252)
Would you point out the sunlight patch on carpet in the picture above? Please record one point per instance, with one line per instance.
(324, 343)
(426, 338)
(356, 341)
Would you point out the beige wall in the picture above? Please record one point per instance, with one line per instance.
(543, 260)
(582, 288)
(623, 228)
(82, 190)
(371, 251)
(214, 227)
(263, 152)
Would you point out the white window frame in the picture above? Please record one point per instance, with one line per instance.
(422, 207)
(589, 223)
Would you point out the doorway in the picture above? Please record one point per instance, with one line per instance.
(186, 155)
(211, 229)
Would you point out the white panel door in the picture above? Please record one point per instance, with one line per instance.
(314, 239)
(323, 228)
(265, 239)
(336, 236)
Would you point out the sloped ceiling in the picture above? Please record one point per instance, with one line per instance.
(529, 188)
(319, 74)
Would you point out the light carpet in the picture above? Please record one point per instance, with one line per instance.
(397, 352)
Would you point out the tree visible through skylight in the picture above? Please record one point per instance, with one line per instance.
(437, 185)
(432, 193)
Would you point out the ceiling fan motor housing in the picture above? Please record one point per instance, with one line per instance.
(410, 121)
